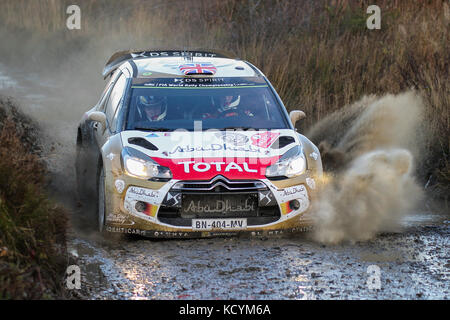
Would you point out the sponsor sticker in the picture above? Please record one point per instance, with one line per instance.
(311, 183)
(143, 194)
(233, 138)
(169, 234)
(264, 139)
(152, 135)
(215, 147)
(298, 193)
(314, 155)
(285, 208)
(119, 218)
(125, 230)
(150, 210)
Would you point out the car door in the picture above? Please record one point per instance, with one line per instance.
(112, 102)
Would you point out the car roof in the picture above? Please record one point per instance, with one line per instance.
(170, 66)
(166, 63)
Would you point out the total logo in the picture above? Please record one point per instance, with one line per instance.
(218, 166)
(208, 168)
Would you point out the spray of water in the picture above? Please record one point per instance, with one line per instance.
(369, 149)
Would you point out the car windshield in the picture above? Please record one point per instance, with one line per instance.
(168, 104)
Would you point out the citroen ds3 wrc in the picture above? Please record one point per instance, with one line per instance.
(193, 144)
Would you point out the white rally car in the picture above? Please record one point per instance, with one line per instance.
(193, 144)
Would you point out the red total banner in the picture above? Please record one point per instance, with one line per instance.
(208, 168)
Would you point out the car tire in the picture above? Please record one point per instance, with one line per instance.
(101, 200)
(80, 174)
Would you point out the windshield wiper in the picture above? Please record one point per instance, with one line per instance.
(237, 128)
(152, 129)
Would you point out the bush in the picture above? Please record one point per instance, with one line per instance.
(32, 228)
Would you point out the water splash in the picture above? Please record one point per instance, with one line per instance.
(368, 150)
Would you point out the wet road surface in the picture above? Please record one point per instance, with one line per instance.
(413, 264)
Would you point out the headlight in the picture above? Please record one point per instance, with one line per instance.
(291, 164)
(139, 165)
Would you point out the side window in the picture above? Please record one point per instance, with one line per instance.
(118, 113)
(105, 93)
(115, 97)
(102, 102)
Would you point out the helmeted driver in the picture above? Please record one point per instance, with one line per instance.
(231, 107)
(228, 106)
(152, 108)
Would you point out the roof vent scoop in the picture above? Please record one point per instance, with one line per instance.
(141, 142)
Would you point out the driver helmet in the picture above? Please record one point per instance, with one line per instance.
(153, 108)
(229, 104)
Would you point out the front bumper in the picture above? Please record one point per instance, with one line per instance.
(170, 209)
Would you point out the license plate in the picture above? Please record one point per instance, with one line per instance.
(220, 224)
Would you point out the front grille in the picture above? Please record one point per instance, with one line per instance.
(217, 198)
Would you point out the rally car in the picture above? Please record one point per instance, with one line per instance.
(194, 144)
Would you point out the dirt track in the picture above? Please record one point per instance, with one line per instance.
(414, 264)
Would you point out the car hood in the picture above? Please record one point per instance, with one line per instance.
(203, 155)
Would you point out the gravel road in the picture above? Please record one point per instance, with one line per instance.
(412, 264)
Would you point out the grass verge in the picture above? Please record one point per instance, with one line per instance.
(32, 227)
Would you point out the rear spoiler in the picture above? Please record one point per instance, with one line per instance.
(121, 56)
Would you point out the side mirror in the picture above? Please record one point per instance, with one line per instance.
(98, 116)
(296, 115)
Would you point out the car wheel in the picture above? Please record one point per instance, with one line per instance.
(79, 170)
(101, 201)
